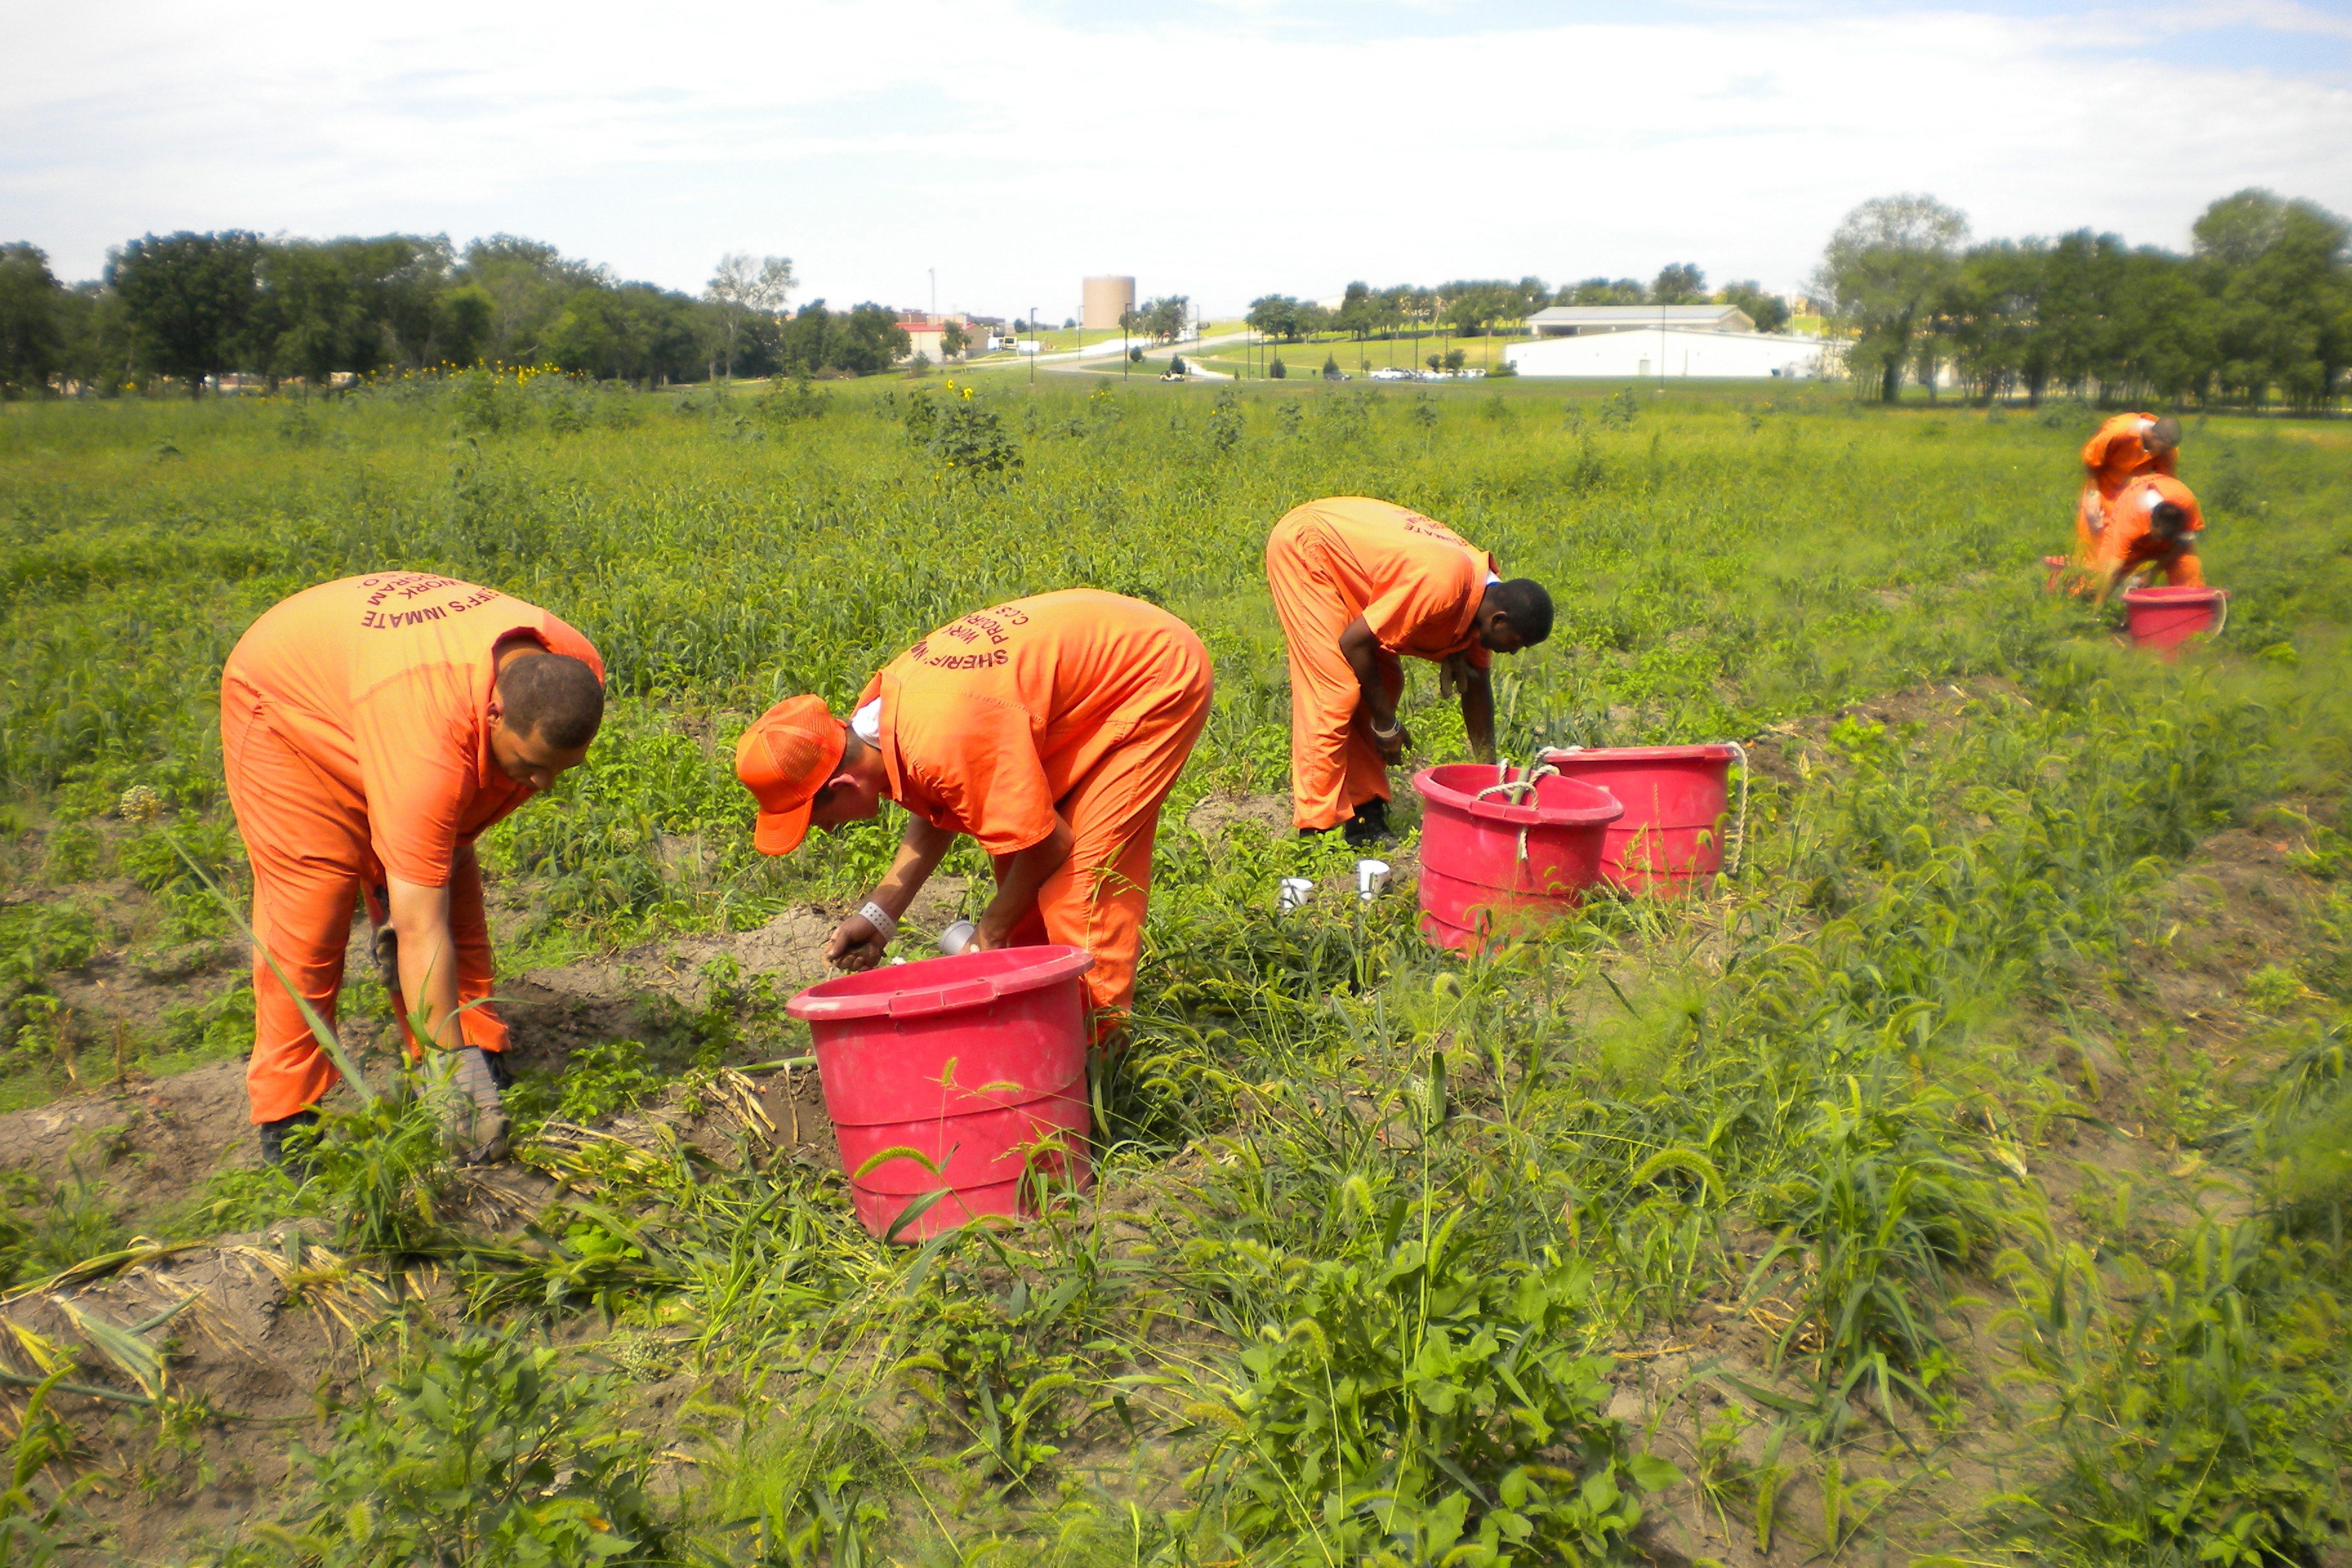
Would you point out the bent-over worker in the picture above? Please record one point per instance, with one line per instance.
(370, 729)
(2152, 527)
(1357, 583)
(2125, 447)
(1050, 729)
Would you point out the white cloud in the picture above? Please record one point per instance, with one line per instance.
(1222, 153)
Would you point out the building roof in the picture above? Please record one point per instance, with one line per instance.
(1718, 318)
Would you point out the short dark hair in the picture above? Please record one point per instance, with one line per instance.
(1526, 605)
(554, 697)
(2168, 517)
(2166, 429)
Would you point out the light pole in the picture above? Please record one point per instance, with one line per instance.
(1037, 346)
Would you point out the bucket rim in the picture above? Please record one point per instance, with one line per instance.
(940, 984)
(2174, 594)
(1705, 751)
(1599, 812)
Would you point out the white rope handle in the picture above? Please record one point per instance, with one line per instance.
(1740, 826)
(2223, 623)
(1519, 789)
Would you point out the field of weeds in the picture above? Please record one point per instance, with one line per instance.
(1962, 1181)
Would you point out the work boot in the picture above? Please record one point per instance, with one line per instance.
(273, 1143)
(1369, 827)
(462, 1098)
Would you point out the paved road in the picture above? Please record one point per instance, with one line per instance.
(1069, 358)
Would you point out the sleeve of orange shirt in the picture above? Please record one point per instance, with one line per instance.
(979, 763)
(2095, 452)
(1420, 600)
(417, 764)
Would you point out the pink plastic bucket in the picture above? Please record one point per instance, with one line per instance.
(976, 1063)
(2164, 618)
(1675, 798)
(1492, 865)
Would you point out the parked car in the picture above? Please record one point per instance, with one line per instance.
(1391, 372)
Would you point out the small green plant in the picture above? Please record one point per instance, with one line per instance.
(486, 1450)
(1225, 422)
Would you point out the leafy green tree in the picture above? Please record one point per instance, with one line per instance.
(1769, 312)
(32, 340)
(2277, 272)
(746, 286)
(1359, 315)
(869, 340)
(806, 346)
(1678, 283)
(187, 299)
(463, 321)
(313, 315)
(1603, 291)
(1884, 269)
(1473, 307)
(1997, 300)
(1275, 316)
(531, 284)
(1165, 318)
(952, 338)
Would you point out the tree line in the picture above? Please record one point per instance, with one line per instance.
(1473, 306)
(2259, 310)
(189, 307)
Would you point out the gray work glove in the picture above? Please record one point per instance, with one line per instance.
(465, 1100)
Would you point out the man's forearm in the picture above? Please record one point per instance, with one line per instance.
(428, 974)
(1478, 714)
(920, 849)
(1372, 690)
(1023, 874)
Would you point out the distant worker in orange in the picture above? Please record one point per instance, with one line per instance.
(370, 729)
(2152, 527)
(1357, 583)
(1050, 729)
(2125, 447)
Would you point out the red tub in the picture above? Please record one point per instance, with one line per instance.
(1676, 800)
(976, 1063)
(2164, 618)
(1493, 865)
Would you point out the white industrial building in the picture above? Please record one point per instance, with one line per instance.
(1626, 343)
(1583, 320)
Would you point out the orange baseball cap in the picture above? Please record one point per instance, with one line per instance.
(784, 759)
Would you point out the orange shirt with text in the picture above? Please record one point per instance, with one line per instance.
(383, 684)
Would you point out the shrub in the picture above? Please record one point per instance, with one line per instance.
(485, 1451)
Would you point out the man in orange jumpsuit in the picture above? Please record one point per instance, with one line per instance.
(2126, 447)
(1049, 729)
(2153, 525)
(370, 729)
(1357, 583)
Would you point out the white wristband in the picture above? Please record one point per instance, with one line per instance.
(880, 919)
(1395, 729)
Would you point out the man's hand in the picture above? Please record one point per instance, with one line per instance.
(855, 944)
(1392, 747)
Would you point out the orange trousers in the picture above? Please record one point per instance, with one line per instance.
(309, 846)
(1097, 899)
(1334, 766)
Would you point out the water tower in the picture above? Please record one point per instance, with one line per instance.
(1105, 301)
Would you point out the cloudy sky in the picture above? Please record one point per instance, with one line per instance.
(1219, 148)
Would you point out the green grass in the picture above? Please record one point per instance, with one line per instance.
(1373, 1224)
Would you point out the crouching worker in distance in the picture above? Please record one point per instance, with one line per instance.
(2152, 527)
(1357, 583)
(370, 729)
(2128, 446)
(1049, 729)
